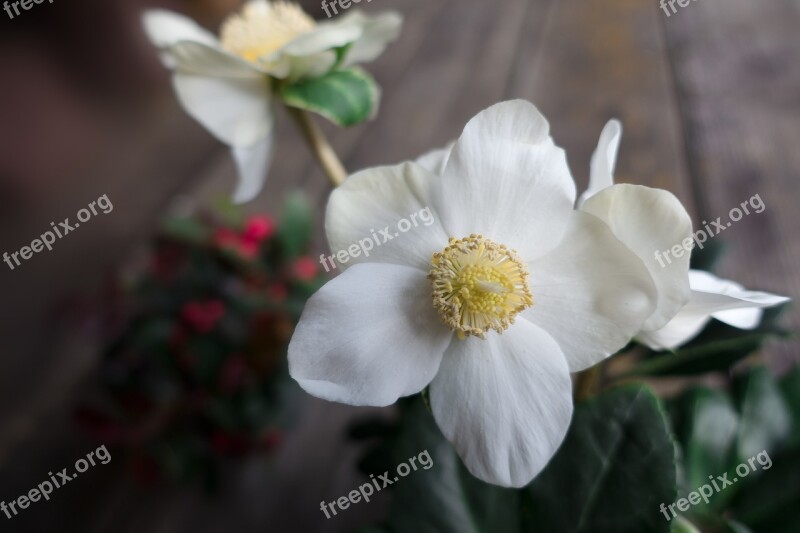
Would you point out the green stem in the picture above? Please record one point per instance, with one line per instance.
(319, 146)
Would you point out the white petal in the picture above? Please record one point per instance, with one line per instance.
(722, 299)
(369, 207)
(203, 60)
(506, 180)
(368, 337)
(165, 28)
(252, 164)
(326, 36)
(237, 111)
(435, 161)
(604, 159)
(681, 329)
(505, 402)
(376, 33)
(649, 222)
(294, 68)
(740, 308)
(591, 294)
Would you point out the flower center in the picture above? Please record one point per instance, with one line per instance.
(478, 285)
(262, 27)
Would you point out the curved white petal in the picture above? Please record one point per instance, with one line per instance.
(165, 28)
(368, 337)
(734, 305)
(294, 68)
(506, 180)
(435, 161)
(681, 329)
(649, 222)
(368, 209)
(237, 111)
(745, 318)
(252, 164)
(711, 297)
(202, 60)
(604, 159)
(591, 294)
(505, 402)
(376, 33)
(326, 36)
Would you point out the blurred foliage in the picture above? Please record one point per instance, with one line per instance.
(196, 371)
(616, 465)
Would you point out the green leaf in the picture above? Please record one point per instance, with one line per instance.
(706, 424)
(790, 389)
(682, 525)
(731, 526)
(717, 348)
(188, 230)
(345, 97)
(295, 227)
(613, 471)
(768, 503)
(766, 420)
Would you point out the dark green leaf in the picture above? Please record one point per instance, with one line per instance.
(294, 231)
(188, 229)
(790, 389)
(682, 525)
(766, 420)
(706, 424)
(613, 471)
(770, 502)
(345, 97)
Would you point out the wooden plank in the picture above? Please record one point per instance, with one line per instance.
(738, 78)
(600, 60)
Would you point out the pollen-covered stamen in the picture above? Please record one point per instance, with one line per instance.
(262, 27)
(478, 285)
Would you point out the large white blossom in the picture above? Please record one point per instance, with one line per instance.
(226, 84)
(493, 305)
(710, 297)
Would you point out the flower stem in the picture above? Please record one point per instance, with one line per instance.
(319, 146)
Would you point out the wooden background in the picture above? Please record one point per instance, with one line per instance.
(709, 98)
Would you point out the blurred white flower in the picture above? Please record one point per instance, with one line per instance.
(226, 84)
(709, 296)
(493, 305)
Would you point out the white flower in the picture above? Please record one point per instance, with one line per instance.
(493, 305)
(226, 84)
(709, 297)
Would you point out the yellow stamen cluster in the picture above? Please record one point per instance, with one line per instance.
(262, 27)
(478, 285)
